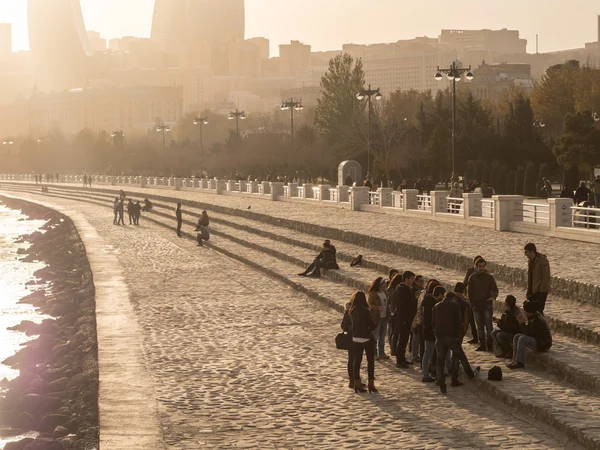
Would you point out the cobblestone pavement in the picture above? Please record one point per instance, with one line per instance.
(569, 259)
(242, 361)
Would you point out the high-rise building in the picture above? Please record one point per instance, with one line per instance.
(293, 57)
(58, 43)
(263, 44)
(181, 22)
(97, 43)
(5, 41)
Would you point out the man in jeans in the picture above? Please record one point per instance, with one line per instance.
(535, 335)
(538, 277)
(471, 271)
(482, 290)
(448, 327)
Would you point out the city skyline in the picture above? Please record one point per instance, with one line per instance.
(388, 21)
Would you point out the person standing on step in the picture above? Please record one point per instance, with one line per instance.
(137, 212)
(324, 260)
(362, 340)
(121, 220)
(534, 334)
(179, 217)
(378, 304)
(447, 325)
(418, 342)
(508, 327)
(472, 324)
(432, 297)
(483, 290)
(116, 211)
(130, 212)
(465, 308)
(394, 282)
(538, 277)
(405, 305)
(414, 341)
(347, 327)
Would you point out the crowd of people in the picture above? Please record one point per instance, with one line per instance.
(425, 324)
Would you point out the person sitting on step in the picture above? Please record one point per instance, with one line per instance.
(508, 326)
(534, 334)
(324, 260)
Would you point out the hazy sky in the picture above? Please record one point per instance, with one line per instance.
(327, 24)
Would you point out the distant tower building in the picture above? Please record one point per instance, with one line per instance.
(5, 41)
(186, 22)
(58, 43)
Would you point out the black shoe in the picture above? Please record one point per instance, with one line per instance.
(473, 341)
(401, 365)
(303, 274)
(428, 380)
(356, 261)
(407, 362)
(515, 365)
(456, 383)
(481, 348)
(475, 372)
(442, 388)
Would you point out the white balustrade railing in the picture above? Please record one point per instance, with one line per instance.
(301, 192)
(535, 212)
(585, 217)
(424, 202)
(286, 191)
(316, 193)
(374, 198)
(488, 208)
(397, 200)
(333, 195)
(455, 205)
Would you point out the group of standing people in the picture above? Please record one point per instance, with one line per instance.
(429, 324)
(49, 178)
(87, 180)
(134, 210)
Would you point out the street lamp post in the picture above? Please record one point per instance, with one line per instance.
(164, 129)
(453, 73)
(361, 96)
(201, 121)
(237, 115)
(292, 106)
(119, 137)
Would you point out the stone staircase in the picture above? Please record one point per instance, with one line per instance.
(560, 387)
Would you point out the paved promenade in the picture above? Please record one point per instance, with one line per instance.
(570, 259)
(239, 360)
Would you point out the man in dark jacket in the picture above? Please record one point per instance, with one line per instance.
(447, 326)
(483, 291)
(179, 217)
(534, 334)
(538, 277)
(324, 260)
(130, 212)
(404, 308)
(582, 194)
(567, 192)
(508, 326)
(472, 324)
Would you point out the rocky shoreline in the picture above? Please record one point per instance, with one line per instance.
(56, 392)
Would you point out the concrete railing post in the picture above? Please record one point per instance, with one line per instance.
(230, 186)
(343, 194)
(292, 190)
(324, 192)
(439, 202)
(472, 205)
(507, 208)
(177, 183)
(276, 189)
(358, 196)
(242, 187)
(113, 180)
(308, 193)
(410, 199)
(220, 186)
(560, 212)
(385, 197)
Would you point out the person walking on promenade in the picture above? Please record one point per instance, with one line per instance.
(179, 217)
(547, 187)
(85, 180)
(538, 277)
(508, 327)
(483, 291)
(202, 228)
(121, 220)
(89, 181)
(362, 340)
(405, 305)
(378, 304)
(472, 324)
(447, 327)
(430, 300)
(416, 332)
(324, 260)
(130, 212)
(347, 327)
(116, 211)
(534, 334)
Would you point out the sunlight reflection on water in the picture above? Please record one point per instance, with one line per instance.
(14, 274)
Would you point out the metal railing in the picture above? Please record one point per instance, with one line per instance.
(455, 205)
(585, 217)
(301, 192)
(286, 191)
(424, 202)
(488, 209)
(333, 195)
(397, 200)
(535, 213)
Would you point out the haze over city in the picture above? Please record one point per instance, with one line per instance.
(326, 25)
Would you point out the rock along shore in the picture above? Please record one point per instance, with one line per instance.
(56, 392)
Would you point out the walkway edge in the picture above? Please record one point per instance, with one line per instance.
(128, 410)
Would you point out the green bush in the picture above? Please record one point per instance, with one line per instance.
(530, 185)
(519, 178)
(510, 182)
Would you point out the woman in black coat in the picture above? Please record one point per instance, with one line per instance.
(362, 340)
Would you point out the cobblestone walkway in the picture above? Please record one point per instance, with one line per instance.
(242, 361)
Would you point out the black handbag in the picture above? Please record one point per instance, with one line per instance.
(343, 341)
